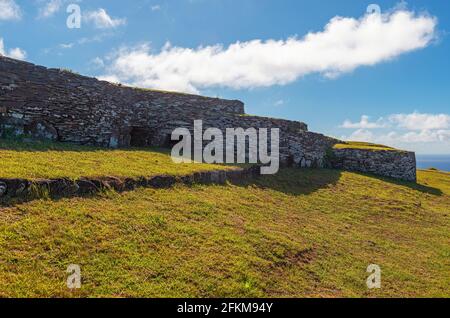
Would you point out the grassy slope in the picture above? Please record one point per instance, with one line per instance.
(302, 233)
(56, 160)
(363, 146)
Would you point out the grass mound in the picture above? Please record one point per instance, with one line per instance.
(363, 146)
(61, 160)
(300, 233)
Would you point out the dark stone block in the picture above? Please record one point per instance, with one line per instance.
(113, 183)
(130, 184)
(187, 180)
(59, 187)
(86, 186)
(162, 182)
(3, 188)
(15, 187)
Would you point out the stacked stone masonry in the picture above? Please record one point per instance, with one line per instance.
(390, 163)
(63, 106)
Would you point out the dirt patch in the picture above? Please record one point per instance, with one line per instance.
(305, 256)
(297, 258)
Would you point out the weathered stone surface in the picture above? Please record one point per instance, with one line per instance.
(113, 183)
(394, 164)
(59, 105)
(20, 188)
(86, 187)
(59, 187)
(42, 130)
(3, 188)
(14, 187)
(162, 182)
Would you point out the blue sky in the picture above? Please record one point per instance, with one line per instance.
(398, 78)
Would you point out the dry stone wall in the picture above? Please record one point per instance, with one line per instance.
(79, 109)
(60, 105)
(25, 190)
(389, 163)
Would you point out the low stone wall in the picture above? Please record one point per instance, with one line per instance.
(25, 190)
(389, 163)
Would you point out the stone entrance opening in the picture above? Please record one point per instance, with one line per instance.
(140, 137)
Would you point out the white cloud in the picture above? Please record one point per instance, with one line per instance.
(97, 62)
(413, 121)
(156, 7)
(344, 45)
(15, 53)
(110, 78)
(426, 133)
(102, 20)
(50, 8)
(426, 136)
(360, 135)
(66, 45)
(363, 124)
(279, 102)
(9, 10)
(395, 137)
(418, 121)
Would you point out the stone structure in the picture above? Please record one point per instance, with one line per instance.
(63, 106)
(390, 163)
(25, 190)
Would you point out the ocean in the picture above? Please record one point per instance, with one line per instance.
(441, 162)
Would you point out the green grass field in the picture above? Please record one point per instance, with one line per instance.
(302, 233)
(59, 160)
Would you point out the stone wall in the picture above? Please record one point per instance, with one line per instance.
(87, 111)
(60, 105)
(25, 190)
(64, 106)
(389, 163)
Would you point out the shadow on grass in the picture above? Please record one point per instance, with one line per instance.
(295, 181)
(306, 181)
(411, 185)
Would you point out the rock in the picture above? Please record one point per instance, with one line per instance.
(62, 187)
(113, 183)
(86, 187)
(218, 177)
(162, 182)
(187, 180)
(42, 130)
(130, 184)
(16, 187)
(3, 189)
(389, 163)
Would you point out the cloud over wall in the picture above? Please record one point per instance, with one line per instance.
(342, 46)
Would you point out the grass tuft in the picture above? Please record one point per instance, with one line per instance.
(363, 146)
